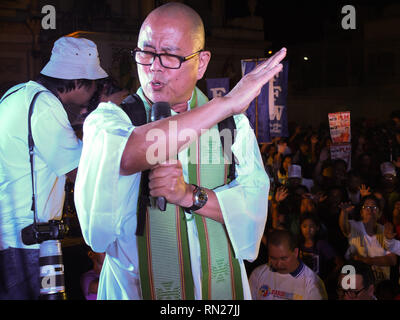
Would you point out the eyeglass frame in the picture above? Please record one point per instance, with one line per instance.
(372, 208)
(351, 293)
(181, 59)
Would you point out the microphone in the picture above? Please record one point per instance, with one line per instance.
(160, 110)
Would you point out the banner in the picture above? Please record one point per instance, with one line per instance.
(268, 112)
(278, 90)
(342, 151)
(339, 125)
(217, 87)
(340, 129)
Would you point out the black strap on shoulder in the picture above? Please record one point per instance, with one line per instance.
(31, 145)
(134, 108)
(228, 123)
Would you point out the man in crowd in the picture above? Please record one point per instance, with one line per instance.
(361, 287)
(285, 277)
(195, 249)
(64, 87)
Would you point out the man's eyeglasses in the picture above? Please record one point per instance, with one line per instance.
(167, 60)
(372, 208)
(351, 293)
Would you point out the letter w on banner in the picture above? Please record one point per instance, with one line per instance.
(268, 112)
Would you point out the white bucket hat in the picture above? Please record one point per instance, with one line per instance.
(388, 168)
(294, 171)
(74, 58)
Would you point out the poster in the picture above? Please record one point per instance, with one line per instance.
(342, 151)
(339, 125)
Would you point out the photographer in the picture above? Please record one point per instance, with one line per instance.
(58, 97)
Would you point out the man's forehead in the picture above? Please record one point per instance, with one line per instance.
(280, 251)
(155, 37)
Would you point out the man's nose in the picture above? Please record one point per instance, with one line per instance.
(156, 65)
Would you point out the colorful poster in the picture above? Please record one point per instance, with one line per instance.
(339, 125)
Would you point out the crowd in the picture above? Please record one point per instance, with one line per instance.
(335, 211)
(327, 214)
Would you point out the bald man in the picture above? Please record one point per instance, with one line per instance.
(195, 249)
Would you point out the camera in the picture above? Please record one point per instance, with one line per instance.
(39, 232)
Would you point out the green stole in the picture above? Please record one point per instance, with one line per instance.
(164, 255)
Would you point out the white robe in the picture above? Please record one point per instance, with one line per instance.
(106, 202)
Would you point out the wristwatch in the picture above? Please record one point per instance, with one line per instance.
(200, 198)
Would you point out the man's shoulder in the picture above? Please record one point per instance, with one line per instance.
(306, 272)
(26, 91)
(45, 97)
(110, 118)
(310, 276)
(260, 271)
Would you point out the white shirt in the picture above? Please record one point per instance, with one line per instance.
(57, 151)
(301, 284)
(106, 202)
(368, 246)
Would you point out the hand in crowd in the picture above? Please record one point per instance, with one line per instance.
(364, 190)
(347, 207)
(320, 197)
(281, 194)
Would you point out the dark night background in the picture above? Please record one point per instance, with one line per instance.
(347, 70)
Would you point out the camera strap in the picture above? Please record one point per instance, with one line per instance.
(31, 145)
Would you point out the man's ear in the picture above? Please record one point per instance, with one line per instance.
(204, 59)
(296, 252)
